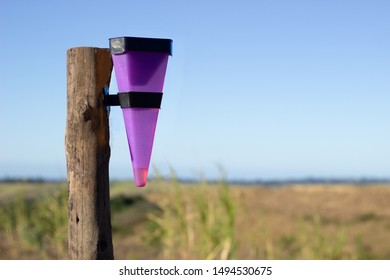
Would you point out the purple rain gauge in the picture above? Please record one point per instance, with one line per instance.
(140, 65)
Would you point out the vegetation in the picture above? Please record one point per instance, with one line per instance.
(173, 220)
(195, 223)
(34, 227)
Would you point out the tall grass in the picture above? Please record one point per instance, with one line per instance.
(172, 220)
(200, 222)
(196, 222)
(309, 240)
(38, 225)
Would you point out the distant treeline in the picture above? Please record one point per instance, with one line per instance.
(29, 180)
(303, 181)
(313, 181)
(275, 182)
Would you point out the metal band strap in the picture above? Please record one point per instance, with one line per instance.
(134, 99)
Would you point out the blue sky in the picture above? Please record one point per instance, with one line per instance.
(266, 89)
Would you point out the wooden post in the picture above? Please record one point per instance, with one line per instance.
(88, 153)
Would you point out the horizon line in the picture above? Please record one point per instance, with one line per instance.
(258, 181)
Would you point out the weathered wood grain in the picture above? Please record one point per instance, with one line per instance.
(88, 153)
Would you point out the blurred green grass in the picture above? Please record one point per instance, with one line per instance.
(173, 220)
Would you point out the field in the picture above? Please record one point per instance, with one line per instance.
(173, 220)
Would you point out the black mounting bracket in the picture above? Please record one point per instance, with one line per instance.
(134, 99)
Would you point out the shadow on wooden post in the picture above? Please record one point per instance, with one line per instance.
(88, 154)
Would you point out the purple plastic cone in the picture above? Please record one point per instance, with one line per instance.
(140, 128)
(142, 72)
